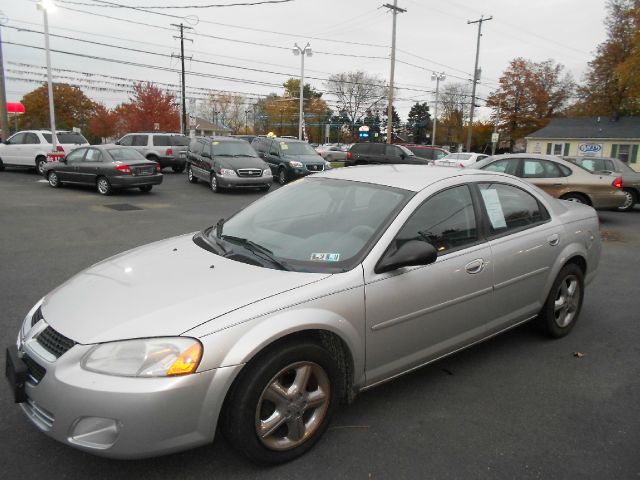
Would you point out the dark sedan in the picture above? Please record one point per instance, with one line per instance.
(108, 167)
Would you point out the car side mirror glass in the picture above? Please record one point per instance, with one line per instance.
(411, 253)
(206, 154)
(117, 142)
(403, 156)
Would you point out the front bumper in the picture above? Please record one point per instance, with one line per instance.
(245, 182)
(120, 417)
(132, 181)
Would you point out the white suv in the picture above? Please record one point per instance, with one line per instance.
(166, 149)
(29, 148)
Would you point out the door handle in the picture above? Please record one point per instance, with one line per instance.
(553, 239)
(475, 266)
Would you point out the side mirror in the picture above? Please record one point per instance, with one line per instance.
(403, 156)
(63, 160)
(411, 253)
(261, 154)
(117, 142)
(206, 154)
(275, 154)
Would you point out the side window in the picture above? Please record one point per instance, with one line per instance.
(509, 166)
(446, 220)
(17, 139)
(93, 155)
(273, 149)
(196, 147)
(161, 141)
(564, 171)
(540, 169)
(31, 138)
(510, 208)
(76, 155)
(392, 151)
(608, 165)
(140, 140)
(127, 140)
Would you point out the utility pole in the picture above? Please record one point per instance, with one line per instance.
(437, 77)
(183, 123)
(475, 78)
(494, 137)
(394, 9)
(4, 117)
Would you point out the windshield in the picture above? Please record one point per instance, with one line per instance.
(233, 149)
(297, 148)
(66, 138)
(124, 154)
(315, 224)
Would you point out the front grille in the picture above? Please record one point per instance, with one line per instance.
(37, 316)
(54, 342)
(315, 168)
(38, 414)
(150, 170)
(249, 172)
(36, 371)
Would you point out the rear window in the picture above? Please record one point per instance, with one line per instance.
(66, 138)
(124, 154)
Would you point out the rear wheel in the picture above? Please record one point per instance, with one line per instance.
(629, 202)
(576, 197)
(146, 188)
(54, 180)
(282, 402)
(41, 162)
(190, 176)
(560, 312)
(104, 186)
(1, 166)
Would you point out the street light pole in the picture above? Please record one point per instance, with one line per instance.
(437, 77)
(246, 122)
(302, 52)
(46, 5)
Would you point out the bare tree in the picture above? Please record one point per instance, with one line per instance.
(227, 109)
(357, 92)
(455, 102)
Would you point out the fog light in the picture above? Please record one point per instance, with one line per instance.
(94, 432)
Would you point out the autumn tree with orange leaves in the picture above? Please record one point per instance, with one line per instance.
(148, 105)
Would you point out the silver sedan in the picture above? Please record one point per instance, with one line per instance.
(322, 289)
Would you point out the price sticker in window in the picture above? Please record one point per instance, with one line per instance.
(494, 208)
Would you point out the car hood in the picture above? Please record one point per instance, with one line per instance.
(305, 158)
(161, 289)
(242, 162)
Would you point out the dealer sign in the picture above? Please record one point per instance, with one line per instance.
(590, 149)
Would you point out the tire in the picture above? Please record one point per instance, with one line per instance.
(632, 199)
(251, 403)
(178, 169)
(41, 162)
(146, 188)
(265, 188)
(104, 186)
(1, 166)
(54, 180)
(190, 176)
(576, 197)
(282, 176)
(213, 183)
(562, 307)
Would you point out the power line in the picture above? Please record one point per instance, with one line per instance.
(212, 5)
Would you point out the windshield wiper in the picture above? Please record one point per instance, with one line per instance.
(256, 249)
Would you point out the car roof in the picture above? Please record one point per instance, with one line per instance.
(407, 177)
(538, 156)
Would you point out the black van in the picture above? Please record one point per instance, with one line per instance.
(367, 153)
(289, 158)
(225, 162)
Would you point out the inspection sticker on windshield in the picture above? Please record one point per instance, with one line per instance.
(284, 146)
(325, 257)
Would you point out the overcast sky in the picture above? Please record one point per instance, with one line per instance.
(432, 35)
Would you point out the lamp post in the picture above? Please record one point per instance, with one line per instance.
(281, 112)
(302, 52)
(437, 77)
(215, 123)
(45, 6)
(246, 121)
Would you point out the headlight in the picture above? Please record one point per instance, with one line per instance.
(226, 172)
(147, 357)
(267, 173)
(327, 165)
(295, 164)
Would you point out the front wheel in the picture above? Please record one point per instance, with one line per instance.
(629, 201)
(146, 188)
(282, 403)
(104, 186)
(54, 180)
(213, 183)
(282, 176)
(190, 176)
(560, 312)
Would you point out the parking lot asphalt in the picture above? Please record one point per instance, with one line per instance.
(517, 406)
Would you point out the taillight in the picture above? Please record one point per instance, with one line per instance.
(158, 167)
(349, 155)
(617, 182)
(123, 168)
(59, 148)
(169, 152)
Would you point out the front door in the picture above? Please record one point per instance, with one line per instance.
(87, 169)
(544, 174)
(69, 172)
(417, 314)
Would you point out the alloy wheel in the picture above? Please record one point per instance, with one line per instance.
(628, 202)
(54, 181)
(292, 406)
(103, 186)
(567, 301)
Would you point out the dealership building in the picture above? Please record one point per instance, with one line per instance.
(589, 136)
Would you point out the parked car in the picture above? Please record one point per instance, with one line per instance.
(367, 153)
(166, 149)
(246, 138)
(333, 152)
(226, 163)
(289, 158)
(607, 166)
(322, 289)
(427, 151)
(107, 167)
(460, 160)
(29, 148)
(560, 178)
